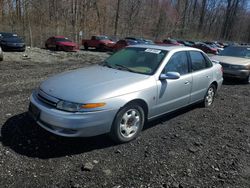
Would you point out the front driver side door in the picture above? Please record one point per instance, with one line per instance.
(174, 94)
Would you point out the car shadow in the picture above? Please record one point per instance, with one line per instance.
(24, 136)
(96, 50)
(231, 81)
(166, 117)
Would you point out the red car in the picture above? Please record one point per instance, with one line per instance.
(100, 42)
(171, 42)
(123, 43)
(61, 43)
(206, 48)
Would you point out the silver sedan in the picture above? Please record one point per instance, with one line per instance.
(130, 87)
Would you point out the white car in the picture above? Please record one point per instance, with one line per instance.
(235, 61)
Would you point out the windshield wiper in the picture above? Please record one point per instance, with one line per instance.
(122, 67)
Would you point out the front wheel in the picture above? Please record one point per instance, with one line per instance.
(209, 97)
(128, 123)
(247, 79)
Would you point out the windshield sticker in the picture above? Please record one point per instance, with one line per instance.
(153, 51)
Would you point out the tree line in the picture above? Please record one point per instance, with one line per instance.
(36, 20)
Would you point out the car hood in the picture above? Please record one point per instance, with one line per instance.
(231, 60)
(67, 43)
(93, 83)
(107, 41)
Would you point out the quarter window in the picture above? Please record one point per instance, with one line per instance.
(178, 63)
(198, 61)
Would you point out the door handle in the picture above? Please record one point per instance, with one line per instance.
(187, 82)
(208, 76)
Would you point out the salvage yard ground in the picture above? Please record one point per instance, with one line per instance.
(195, 147)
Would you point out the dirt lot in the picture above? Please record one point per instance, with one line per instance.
(194, 147)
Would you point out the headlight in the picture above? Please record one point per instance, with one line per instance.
(76, 107)
(68, 106)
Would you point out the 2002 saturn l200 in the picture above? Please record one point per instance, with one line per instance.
(136, 84)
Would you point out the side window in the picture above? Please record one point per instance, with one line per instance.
(93, 38)
(178, 63)
(198, 61)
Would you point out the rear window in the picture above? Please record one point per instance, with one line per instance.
(235, 51)
(198, 61)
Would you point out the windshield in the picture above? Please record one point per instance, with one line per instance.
(235, 51)
(7, 35)
(139, 60)
(102, 38)
(62, 40)
(13, 39)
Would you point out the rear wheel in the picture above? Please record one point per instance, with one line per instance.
(86, 47)
(1, 58)
(247, 79)
(209, 97)
(128, 123)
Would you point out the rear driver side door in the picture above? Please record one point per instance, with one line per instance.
(174, 94)
(202, 73)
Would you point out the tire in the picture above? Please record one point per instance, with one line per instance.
(1, 58)
(247, 80)
(101, 47)
(209, 97)
(128, 123)
(86, 47)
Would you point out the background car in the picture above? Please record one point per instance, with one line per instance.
(215, 45)
(205, 48)
(137, 40)
(172, 42)
(235, 61)
(1, 54)
(118, 96)
(185, 43)
(61, 43)
(100, 42)
(11, 42)
(123, 43)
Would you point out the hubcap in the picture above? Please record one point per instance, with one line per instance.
(210, 96)
(130, 123)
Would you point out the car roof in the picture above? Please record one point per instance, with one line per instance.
(166, 47)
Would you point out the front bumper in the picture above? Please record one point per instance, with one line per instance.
(241, 74)
(13, 47)
(70, 48)
(70, 124)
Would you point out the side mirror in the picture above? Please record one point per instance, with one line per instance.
(215, 61)
(170, 75)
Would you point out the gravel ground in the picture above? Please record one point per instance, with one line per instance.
(194, 147)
